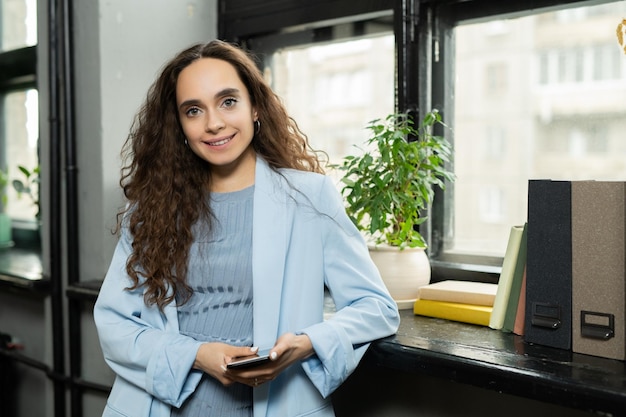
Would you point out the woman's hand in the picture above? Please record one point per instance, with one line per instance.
(289, 348)
(212, 358)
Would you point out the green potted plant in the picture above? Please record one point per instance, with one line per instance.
(29, 185)
(389, 186)
(27, 233)
(5, 220)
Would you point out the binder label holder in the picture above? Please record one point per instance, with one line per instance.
(546, 315)
(596, 325)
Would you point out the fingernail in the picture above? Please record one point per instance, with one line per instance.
(273, 356)
(254, 349)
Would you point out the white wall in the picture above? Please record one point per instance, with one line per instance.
(119, 47)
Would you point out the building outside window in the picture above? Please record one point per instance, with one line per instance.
(19, 103)
(563, 108)
(19, 24)
(348, 83)
(21, 129)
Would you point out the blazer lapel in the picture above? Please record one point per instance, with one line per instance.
(269, 248)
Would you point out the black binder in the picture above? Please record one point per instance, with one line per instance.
(548, 319)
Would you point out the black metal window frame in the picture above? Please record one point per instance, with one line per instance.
(423, 30)
(18, 69)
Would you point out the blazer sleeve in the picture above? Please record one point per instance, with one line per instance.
(365, 310)
(142, 344)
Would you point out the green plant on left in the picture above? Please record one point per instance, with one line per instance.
(29, 185)
(4, 180)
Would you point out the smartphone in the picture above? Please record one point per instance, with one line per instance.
(263, 356)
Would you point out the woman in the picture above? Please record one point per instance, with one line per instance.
(229, 238)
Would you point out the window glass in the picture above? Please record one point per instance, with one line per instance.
(333, 90)
(21, 132)
(19, 23)
(541, 96)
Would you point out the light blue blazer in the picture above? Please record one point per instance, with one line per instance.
(302, 242)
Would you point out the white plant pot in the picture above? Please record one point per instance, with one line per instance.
(403, 272)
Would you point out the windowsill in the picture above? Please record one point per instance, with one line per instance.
(21, 268)
(503, 362)
(85, 291)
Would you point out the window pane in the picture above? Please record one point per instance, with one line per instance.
(19, 23)
(334, 90)
(21, 130)
(544, 96)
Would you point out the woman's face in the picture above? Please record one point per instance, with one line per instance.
(216, 114)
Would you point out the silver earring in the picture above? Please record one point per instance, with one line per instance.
(186, 143)
(257, 126)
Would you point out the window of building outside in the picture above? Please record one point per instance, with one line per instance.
(348, 83)
(19, 105)
(19, 23)
(21, 127)
(535, 97)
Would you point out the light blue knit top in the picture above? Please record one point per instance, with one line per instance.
(220, 309)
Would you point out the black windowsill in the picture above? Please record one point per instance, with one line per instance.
(21, 269)
(503, 362)
(84, 291)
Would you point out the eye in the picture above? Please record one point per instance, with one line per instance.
(192, 111)
(229, 102)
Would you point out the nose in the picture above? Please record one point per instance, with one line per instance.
(214, 122)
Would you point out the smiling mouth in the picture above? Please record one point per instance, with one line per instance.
(220, 142)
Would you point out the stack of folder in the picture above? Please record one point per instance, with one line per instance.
(464, 301)
(563, 279)
(499, 306)
(576, 272)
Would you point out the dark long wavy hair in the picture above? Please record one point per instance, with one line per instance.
(166, 184)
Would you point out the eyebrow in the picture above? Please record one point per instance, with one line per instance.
(230, 91)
